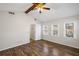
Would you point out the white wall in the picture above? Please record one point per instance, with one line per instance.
(14, 29)
(61, 39)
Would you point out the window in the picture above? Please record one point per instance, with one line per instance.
(45, 29)
(69, 30)
(54, 30)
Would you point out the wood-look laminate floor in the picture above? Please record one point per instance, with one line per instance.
(41, 48)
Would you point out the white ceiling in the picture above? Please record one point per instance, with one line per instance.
(14, 6)
(58, 10)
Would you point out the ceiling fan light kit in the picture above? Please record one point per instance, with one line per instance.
(37, 6)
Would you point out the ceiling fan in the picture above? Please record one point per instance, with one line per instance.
(37, 6)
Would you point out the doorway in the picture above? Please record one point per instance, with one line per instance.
(35, 32)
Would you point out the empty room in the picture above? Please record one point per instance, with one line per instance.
(39, 29)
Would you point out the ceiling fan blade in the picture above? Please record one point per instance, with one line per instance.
(43, 3)
(31, 8)
(46, 8)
